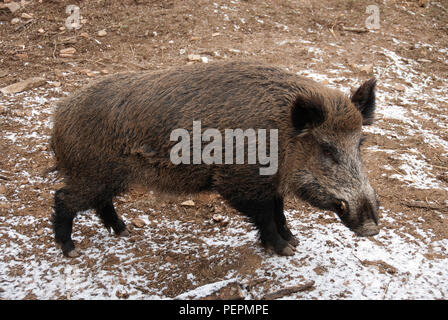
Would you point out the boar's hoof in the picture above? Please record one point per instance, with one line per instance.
(287, 251)
(73, 253)
(124, 233)
(293, 241)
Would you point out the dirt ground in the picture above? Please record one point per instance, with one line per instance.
(181, 251)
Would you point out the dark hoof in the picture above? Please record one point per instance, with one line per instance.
(72, 254)
(293, 241)
(68, 249)
(124, 233)
(286, 251)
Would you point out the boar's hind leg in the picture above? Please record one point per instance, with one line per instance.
(263, 214)
(76, 197)
(280, 221)
(110, 218)
(62, 219)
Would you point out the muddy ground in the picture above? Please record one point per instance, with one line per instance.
(181, 251)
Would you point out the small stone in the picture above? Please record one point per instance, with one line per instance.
(4, 205)
(218, 218)
(56, 84)
(68, 40)
(102, 33)
(194, 57)
(204, 59)
(83, 21)
(194, 38)
(87, 72)
(61, 28)
(84, 35)
(41, 30)
(138, 223)
(105, 71)
(399, 87)
(188, 203)
(216, 34)
(3, 190)
(15, 21)
(23, 85)
(27, 15)
(58, 73)
(22, 56)
(67, 52)
(40, 232)
(367, 69)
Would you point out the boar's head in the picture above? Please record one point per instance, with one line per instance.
(327, 170)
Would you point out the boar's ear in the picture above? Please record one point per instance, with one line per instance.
(307, 112)
(364, 100)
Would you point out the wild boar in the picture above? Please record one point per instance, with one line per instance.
(117, 132)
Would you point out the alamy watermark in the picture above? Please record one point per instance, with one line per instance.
(373, 21)
(230, 150)
(73, 20)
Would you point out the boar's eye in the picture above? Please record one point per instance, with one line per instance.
(330, 152)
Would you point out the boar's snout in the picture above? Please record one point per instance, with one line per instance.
(368, 229)
(361, 218)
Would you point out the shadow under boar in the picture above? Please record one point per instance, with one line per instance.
(115, 133)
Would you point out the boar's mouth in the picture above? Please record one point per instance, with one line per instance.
(366, 228)
(360, 220)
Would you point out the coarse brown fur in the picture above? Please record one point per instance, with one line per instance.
(115, 133)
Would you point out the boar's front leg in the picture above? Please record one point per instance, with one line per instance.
(110, 218)
(280, 221)
(264, 213)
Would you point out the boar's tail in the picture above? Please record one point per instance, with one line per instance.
(52, 168)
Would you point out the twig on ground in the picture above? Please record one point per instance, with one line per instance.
(288, 291)
(23, 25)
(138, 65)
(386, 289)
(54, 50)
(357, 30)
(423, 205)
